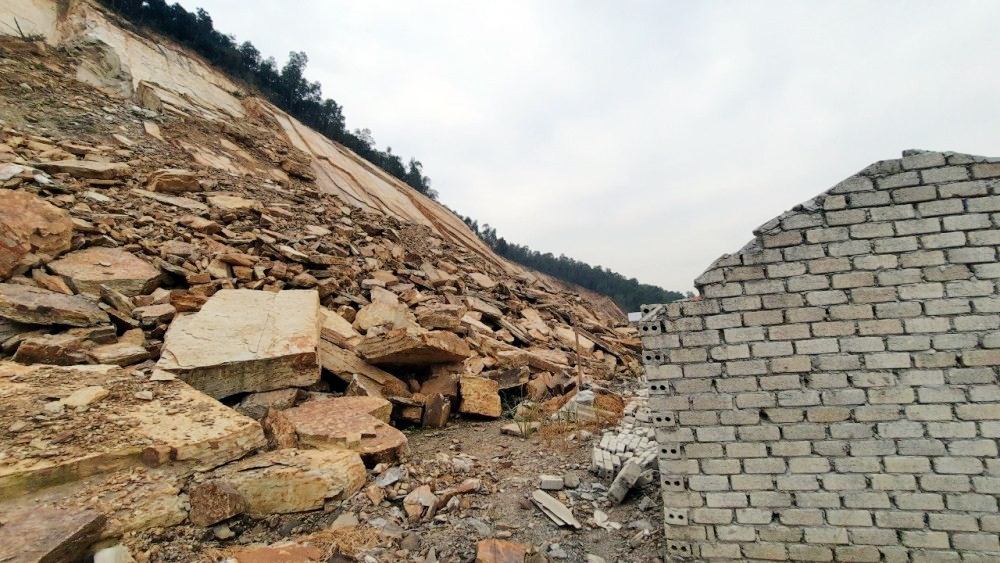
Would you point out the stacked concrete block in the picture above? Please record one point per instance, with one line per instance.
(833, 395)
(632, 441)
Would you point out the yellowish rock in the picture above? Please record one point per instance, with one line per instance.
(480, 396)
(88, 269)
(285, 481)
(246, 341)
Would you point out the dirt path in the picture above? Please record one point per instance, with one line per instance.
(507, 467)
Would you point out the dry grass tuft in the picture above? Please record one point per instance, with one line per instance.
(348, 540)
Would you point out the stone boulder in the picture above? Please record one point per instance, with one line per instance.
(32, 230)
(173, 181)
(480, 396)
(246, 341)
(285, 481)
(355, 423)
(88, 269)
(33, 305)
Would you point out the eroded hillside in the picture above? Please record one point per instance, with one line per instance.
(167, 246)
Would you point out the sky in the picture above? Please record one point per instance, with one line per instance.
(648, 137)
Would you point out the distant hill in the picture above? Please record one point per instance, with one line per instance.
(627, 293)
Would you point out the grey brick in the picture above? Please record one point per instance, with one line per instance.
(946, 174)
(941, 207)
(923, 160)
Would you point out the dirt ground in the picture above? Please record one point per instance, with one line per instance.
(508, 468)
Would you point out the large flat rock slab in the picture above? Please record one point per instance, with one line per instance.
(355, 423)
(285, 481)
(31, 229)
(61, 424)
(87, 270)
(86, 169)
(246, 341)
(346, 365)
(403, 347)
(48, 535)
(33, 305)
(130, 499)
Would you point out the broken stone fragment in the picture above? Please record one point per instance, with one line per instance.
(87, 270)
(200, 224)
(355, 423)
(214, 501)
(347, 366)
(30, 228)
(402, 347)
(380, 314)
(521, 429)
(286, 481)
(246, 341)
(420, 503)
(49, 535)
(483, 280)
(480, 396)
(130, 349)
(173, 180)
(64, 349)
(509, 378)
(232, 204)
(338, 330)
(152, 315)
(447, 317)
(437, 409)
(24, 304)
(445, 384)
(299, 170)
(86, 396)
(49, 282)
(568, 337)
(279, 431)
(501, 551)
(555, 510)
(86, 169)
(176, 201)
(256, 405)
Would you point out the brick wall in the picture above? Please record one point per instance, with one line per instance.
(834, 396)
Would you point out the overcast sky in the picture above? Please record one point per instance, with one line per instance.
(649, 137)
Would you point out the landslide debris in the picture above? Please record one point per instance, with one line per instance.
(141, 284)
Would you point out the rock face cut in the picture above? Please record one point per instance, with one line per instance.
(30, 226)
(87, 270)
(359, 424)
(178, 424)
(403, 347)
(287, 481)
(32, 305)
(246, 341)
